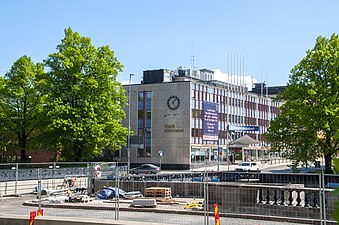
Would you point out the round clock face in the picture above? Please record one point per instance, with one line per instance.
(173, 102)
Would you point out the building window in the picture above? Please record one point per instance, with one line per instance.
(145, 122)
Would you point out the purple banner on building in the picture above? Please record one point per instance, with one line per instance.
(210, 121)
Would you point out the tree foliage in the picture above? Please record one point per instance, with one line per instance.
(21, 106)
(309, 116)
(85, 99)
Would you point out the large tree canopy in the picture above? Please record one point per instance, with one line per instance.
(85, 99)
(310, 114)
(21, 105)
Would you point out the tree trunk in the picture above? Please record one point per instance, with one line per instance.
(22, 145)
(23, 155)
(328, 163)
(78, 156)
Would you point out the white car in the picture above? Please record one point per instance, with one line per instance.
(248, 167)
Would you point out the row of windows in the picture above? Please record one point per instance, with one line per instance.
(224, 139)
(239, 103)
(197, 119)
(208, 93)
(145, 122)
(222, 134)
(222, 124)
(206, 89)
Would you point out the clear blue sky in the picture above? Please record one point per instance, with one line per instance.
(272, 36)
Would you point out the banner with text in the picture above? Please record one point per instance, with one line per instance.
(243, 128)
(210, 121)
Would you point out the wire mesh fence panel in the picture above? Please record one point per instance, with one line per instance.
(109, 191)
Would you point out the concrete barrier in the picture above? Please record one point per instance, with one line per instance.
(51, 220)
(14, 220)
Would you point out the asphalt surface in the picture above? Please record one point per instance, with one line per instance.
(276, 164)
(14, 206)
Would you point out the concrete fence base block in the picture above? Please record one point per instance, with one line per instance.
(51, 220)
(144, 203)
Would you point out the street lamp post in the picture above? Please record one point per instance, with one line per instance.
(129, 124)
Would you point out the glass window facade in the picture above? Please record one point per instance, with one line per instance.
(236, 107)
(145, 122)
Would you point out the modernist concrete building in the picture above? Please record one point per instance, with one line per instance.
(167, 114)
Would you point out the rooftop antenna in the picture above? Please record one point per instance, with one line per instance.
(234, 82)
(228, 67)
(192, 61)
(266, 83)
(261, 85)
(243, 71)
(231, 69)
(238, 72)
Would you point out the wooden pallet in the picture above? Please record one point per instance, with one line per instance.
(163, 192)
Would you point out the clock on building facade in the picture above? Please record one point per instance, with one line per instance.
(173, 102)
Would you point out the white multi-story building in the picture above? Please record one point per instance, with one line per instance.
(167, 115)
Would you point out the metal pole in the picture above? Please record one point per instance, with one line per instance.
(118, 191)
(129, 125)
(228, 158)
(206, 220)
(16, 178)
(207, 198)
(219, 151)
(205, 194)
(116, 197)
(320, 202)
(1, 193)
(228, 139)
(88, 178)
(39, 189)
(53, 184)
(324, 196)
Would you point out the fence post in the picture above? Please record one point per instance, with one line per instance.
(39, 188)
(53, 180)
(323, 197)
(206, 219)
(1, 192)
(89, 186)
(117, 191)
(16, 178)
(320, 202)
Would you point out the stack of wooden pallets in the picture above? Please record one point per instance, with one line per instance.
(163, 192)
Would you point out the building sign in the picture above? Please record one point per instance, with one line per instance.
(172, 128)
(243, 128)
(210, 121)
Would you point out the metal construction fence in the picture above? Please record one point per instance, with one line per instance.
(108, 191)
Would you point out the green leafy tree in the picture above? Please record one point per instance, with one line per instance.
(3, 143)
(310, 114)
(336, 192)
(86, 101)
(21, 106)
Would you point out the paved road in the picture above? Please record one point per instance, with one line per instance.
(224, 166)
(13, 206)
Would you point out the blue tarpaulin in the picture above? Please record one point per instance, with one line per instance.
(110, 192)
